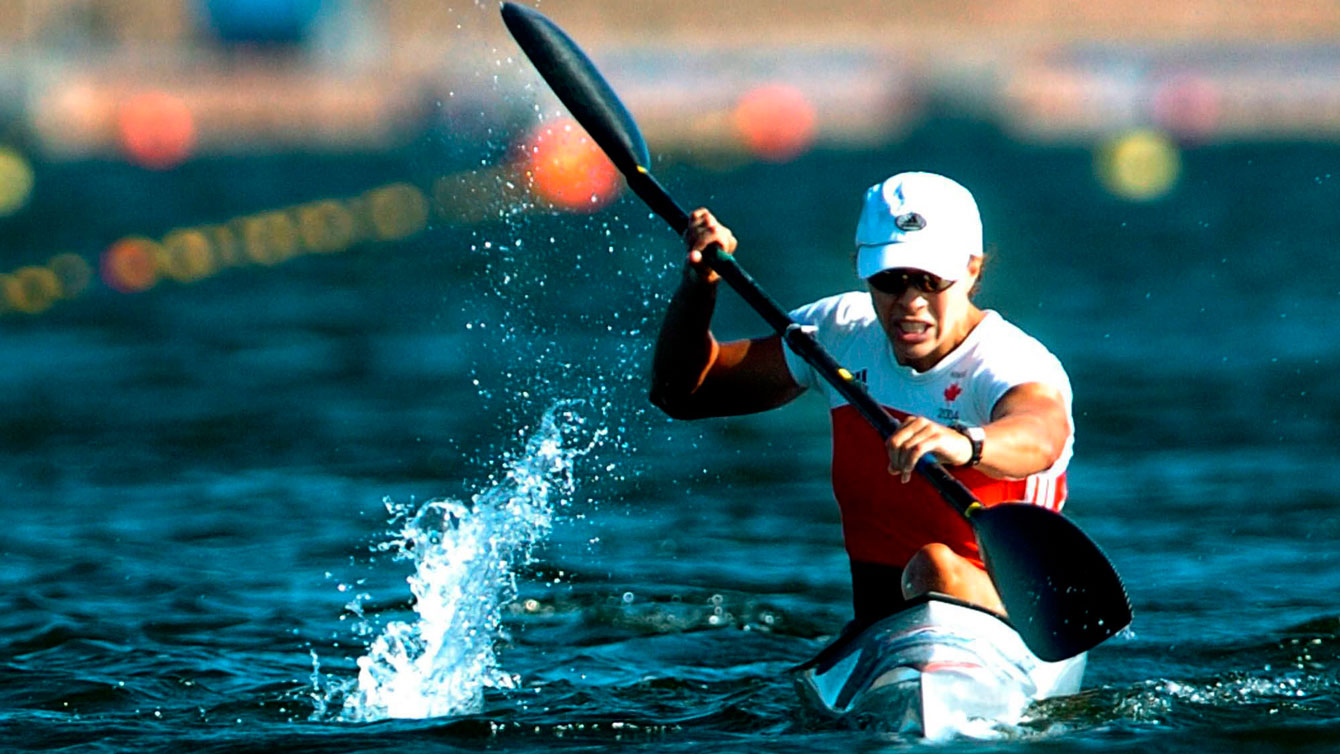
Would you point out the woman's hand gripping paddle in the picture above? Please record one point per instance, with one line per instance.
(1062, 594)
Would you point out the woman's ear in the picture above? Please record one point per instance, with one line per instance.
(975, 270)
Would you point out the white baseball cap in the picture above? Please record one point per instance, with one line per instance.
(920, 221)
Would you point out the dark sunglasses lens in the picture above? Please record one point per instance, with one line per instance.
(888, 283)
(894, 283)
(932, 284)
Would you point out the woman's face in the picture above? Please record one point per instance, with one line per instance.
(924, 325)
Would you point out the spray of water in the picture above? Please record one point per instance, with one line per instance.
(465, 557)
(563, 316)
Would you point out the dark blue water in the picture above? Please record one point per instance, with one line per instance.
(210, 491)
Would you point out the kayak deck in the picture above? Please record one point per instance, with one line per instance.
(939, 668)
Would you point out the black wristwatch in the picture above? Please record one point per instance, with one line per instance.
(975, 435)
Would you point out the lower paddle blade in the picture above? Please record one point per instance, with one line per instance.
(1060, 590)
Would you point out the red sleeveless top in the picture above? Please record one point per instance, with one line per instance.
(886, 521)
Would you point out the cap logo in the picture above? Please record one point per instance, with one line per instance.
(910, 221)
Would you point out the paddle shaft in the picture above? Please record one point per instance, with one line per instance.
(1059, 588)
(800, 340)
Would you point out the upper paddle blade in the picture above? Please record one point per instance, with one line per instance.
(1061, 592)
(579, 86)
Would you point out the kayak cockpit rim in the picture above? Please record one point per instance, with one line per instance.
(831, 652)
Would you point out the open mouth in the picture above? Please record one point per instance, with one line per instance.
(913, 328)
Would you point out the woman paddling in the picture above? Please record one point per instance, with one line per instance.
(975, 391)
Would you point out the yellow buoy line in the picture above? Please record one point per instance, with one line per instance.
(544, 179)
(556, 170)
(389, 213)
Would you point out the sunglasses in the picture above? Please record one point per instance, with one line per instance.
(896, 282)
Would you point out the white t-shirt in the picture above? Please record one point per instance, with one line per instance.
(964, 386)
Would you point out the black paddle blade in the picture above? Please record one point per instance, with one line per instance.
(1061, 592)
(579, 86)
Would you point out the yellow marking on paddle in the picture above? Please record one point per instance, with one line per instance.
(844, 374)
(642, 170)
(973, 510)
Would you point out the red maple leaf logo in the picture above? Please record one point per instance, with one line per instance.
(952, 392)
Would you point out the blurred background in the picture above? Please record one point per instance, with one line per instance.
(108, 104)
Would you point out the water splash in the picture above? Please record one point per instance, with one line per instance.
(465, 557)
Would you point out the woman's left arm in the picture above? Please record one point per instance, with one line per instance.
(1027, 434)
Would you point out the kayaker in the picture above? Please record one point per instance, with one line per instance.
(989, 401)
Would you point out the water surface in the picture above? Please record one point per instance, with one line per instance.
(211, 490)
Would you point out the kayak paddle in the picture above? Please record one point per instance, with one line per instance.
(1061, 592)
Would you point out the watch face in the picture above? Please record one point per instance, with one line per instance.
(976, 436)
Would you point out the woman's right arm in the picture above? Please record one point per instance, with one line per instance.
(694, 375)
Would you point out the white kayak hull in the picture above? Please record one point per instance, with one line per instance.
(939, 669)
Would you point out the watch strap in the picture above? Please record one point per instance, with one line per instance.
(976, 436)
